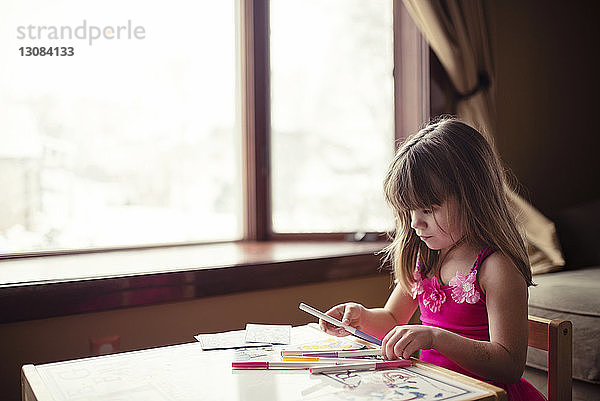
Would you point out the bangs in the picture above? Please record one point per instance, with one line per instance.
(419, 184)
(420, 191)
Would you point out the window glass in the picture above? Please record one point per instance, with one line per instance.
(134, 139)
(332, 113)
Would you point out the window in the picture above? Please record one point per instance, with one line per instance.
(332, 114)
(153, 131)
(132, 140)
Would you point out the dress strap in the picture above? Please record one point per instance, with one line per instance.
(485, 252)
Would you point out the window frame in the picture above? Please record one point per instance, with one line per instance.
(267, 259)
(411, 110)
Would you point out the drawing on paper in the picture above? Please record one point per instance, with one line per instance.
(398, 384)
(247, 354)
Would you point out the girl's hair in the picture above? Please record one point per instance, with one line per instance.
(448, 158)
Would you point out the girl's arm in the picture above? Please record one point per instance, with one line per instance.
(398, 309)
(503, 357)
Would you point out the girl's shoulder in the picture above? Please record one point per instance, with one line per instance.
(498, 272)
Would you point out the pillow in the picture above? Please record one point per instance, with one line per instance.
(542, 242)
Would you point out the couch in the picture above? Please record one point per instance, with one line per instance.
(573, 293)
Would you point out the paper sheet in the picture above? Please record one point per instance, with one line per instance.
(225, 340)
(268, 333)
(395, 385)
(303, 338)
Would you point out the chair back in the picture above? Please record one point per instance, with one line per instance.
(555, 336)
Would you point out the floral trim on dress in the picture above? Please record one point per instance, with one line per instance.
(463, 289)
(433, 296)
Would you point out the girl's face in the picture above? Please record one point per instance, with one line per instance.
(439, 227)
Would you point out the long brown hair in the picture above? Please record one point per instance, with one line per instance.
(448, 158)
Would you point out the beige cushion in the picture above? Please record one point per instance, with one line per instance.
(571, 295)
(542, 242)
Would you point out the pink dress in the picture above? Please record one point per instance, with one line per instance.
(460, 308)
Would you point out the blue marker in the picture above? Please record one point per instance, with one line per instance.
(349, 329)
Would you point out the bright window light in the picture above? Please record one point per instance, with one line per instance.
(332, 114)
(130, 141)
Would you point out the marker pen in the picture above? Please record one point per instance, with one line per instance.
(344, 354)
(401, 363)
(246, 365)
(321, 359)
(335, 322)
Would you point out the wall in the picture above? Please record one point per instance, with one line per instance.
(55, 339)
(547, 98)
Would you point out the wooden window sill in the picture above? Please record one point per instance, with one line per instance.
(42, 287)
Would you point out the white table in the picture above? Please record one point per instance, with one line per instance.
(186, 372)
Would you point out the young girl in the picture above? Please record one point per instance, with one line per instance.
(458, 255)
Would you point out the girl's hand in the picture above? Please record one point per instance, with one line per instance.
(349, 313)
(403, 341)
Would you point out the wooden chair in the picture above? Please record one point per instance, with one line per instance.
(554, 336)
